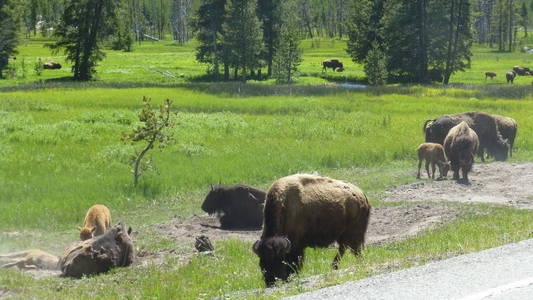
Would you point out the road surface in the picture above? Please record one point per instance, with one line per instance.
(500, 273)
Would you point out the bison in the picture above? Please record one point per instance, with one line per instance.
(483, 124)
(433, 154)
(34, 259)
(97, 221)
(239, 205)
(510, 76)
(305, 210)
(521, 71)
(334, 64)
(460, 145)
(490, 75)
(100, 254)
(508, 128)
(51, 65)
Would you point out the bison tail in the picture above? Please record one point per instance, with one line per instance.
(427, 123)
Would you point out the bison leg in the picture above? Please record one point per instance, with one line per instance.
(419, 166)
(427, 168)
(481, 154)
(342, 249)
(433, 169)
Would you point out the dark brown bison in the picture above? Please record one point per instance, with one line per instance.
(460, 145)
(510, 76)
(508, 128)
(309, 211)
(483, 124)
(490, 75)
(100, 254)
(51, 65)
(239, 205)
(334, 64)
(521, 71)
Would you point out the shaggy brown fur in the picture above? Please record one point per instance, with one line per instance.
(490, 75)
(309, 211)
(433, 154)
(460, 145)
(30, 259)
(52, 65)
(483, 124)
(334, 64)
(239, 206)
(97, 221)
(111, 250)
(508, 128)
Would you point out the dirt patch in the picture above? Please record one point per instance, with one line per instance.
(496, 183)
(387, 224)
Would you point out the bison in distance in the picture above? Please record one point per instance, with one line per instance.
(240, 206)
(334, 64)
(309, 211)
(485, 126)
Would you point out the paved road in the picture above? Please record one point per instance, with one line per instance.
(495, 274)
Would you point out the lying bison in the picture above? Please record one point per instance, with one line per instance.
(460, 145)
(34, 259)
(334, 64)
(483, 124)
(508, 128)
(239, 205)
(309, 211)
(100, 254)
(51, 65)
(521, 71)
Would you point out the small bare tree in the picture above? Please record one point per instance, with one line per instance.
(154, 121)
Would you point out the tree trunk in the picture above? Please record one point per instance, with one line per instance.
(449, 58)
(511, 25)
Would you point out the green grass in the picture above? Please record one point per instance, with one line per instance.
(61, 151)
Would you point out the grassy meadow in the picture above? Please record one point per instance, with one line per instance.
(61, 151)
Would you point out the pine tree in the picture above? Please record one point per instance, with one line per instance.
(364, 28)
(242, 39)
(9, 23)
(84, 25)
(376, 66)
(208, 28)
(524, 18)
(269, 12)
(288, 53)
(122, 39)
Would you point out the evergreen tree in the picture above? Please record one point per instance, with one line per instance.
(243, 38)
(376, 66)
(288, 53)
(524, 18)
(84, 25)
(208, 28)
(364, 28)
(9, 23)
(122, 39)
(270, 15)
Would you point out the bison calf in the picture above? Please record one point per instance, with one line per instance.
(97, 221)
(433, 154)
(460, 145)
(309, 211)
(240, 205)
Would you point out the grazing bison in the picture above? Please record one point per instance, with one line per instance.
(97, 221)
(483, 124)
(461, 144)
(305, 210)
(433, 154)
(51, 65)
(510, 76)
(333, 64)
(34, 259)
(240, 205)
(521, 71)
(490, 75)
(508, 128)
(98, 255)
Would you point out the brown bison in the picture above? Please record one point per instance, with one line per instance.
(334, 64)
(34, 259)
(100, 254)
(97, 221)
(508, 128)
(305, 210)
(433, 154)
(51, 65)
(510, 76)
(521, 71)
(483, 124)
(239, 205)
(461, 144)
(490, 75)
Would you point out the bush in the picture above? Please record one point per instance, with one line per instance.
(375, 66)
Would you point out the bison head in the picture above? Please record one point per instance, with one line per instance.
(214, 201)
(444, 169)
(272, 254)
(500, 150)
